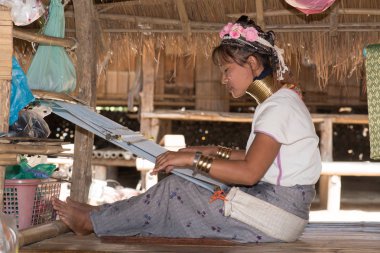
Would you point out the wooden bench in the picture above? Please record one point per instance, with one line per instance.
(361, 237)
(335, 170)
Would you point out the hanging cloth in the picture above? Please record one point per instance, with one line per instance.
(51, 68)
(372, 67)
(311, 6)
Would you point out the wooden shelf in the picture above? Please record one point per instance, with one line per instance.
(114, 162)
(245, 117)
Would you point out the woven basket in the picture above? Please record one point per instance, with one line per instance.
(30, 201)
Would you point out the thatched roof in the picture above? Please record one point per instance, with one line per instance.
(331, 43)
(333, 40)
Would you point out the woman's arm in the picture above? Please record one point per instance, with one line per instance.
(253, 167)
(212, 150)
(246, 171)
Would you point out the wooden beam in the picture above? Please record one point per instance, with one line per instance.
(286, 12)
(6, 49)
(151, 20)
(260, 14)
(131, 3)
(247, 117)
(268, 13)
(375, 12)
(346, 27)
(362, 169)
(184, 18)
(109, 6)
(43, 39)
(86, 81)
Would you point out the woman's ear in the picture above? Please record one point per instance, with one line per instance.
(253, 62)
(255, 65)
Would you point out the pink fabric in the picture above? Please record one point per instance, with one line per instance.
(311, 6)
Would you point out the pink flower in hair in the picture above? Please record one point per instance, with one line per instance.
(226, 30)
(236, 31)
(250, 34)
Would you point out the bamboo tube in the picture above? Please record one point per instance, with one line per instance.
(30, 149)
(41, 232)
(43, 39)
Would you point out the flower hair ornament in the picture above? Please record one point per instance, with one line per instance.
(250, 36)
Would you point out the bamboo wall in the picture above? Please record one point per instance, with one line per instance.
(194, 82)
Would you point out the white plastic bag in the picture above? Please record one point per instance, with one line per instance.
(24, 12)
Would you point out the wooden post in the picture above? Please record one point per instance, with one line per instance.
(326, 155)
(86, 81)
(260, 14)
(148, 127)
(6, 49)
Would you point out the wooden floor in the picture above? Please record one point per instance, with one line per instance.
(318, 237)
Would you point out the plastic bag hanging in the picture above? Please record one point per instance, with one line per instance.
(51, 68)
(24, 12)
(21, 95)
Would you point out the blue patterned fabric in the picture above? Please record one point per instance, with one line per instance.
(178, 208)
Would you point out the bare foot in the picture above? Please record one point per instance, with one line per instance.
(82, 206)
(76, 218)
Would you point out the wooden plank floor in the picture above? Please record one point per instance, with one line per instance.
(318, 237)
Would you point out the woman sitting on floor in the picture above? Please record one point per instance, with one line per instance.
(271, 182)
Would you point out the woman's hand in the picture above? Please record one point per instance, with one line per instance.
(168, 160)
(206, 150)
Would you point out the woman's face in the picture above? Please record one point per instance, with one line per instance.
(236, 78)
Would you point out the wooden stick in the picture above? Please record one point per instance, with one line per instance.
(43, 39)
(30, 149)
(41, 232)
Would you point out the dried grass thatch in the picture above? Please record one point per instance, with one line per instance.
(333, 41)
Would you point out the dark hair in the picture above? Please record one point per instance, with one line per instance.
(231, 50)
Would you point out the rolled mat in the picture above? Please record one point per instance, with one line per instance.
(372, 65)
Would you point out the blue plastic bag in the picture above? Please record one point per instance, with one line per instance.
(51, 68)
(21, 95)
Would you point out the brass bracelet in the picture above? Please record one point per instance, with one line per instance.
(224, 152)
(204, 163)
(197, 157)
